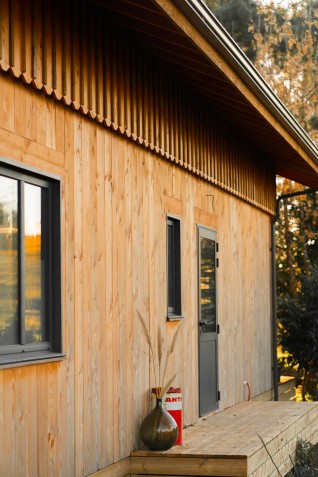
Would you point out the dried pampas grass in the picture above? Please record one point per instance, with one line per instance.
(160, 356)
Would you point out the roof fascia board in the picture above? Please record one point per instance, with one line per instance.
(206, 23)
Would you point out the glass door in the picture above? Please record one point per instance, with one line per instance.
(207, 321)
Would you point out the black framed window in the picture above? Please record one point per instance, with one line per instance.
(173, 268)
(30, 284)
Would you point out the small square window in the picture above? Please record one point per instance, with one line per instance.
(173, 268)
(30, 295)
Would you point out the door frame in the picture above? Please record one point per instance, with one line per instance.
(213, 236)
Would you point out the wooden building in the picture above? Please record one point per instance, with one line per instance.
(135, 136)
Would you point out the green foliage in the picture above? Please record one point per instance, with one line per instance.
(297, 259)
(306, 460)
(296, 239)
(235, 16)
(299, 325)
(307, 454)
(286, 55)
(281, 39)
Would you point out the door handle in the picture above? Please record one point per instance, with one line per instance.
(203, 323)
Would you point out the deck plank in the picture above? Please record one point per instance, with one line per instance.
(184, 466)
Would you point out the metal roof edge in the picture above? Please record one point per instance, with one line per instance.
(207, 24)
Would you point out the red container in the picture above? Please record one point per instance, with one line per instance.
(172, 402)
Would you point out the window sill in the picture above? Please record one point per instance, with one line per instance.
(32, 357)
(174, 317)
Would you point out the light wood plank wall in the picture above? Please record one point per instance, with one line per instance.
(77, 416)
(70, 50)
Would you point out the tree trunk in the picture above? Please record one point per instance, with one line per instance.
(303, 228)
(304, 386)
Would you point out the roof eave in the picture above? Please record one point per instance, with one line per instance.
(209, 27)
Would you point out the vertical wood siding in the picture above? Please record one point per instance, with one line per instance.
(71, 50)
(77, 416)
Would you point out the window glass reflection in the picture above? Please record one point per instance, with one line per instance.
(207, 285)
(171, 279)
(9, 325)
(34, 265)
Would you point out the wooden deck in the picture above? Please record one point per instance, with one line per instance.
(228, 443)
